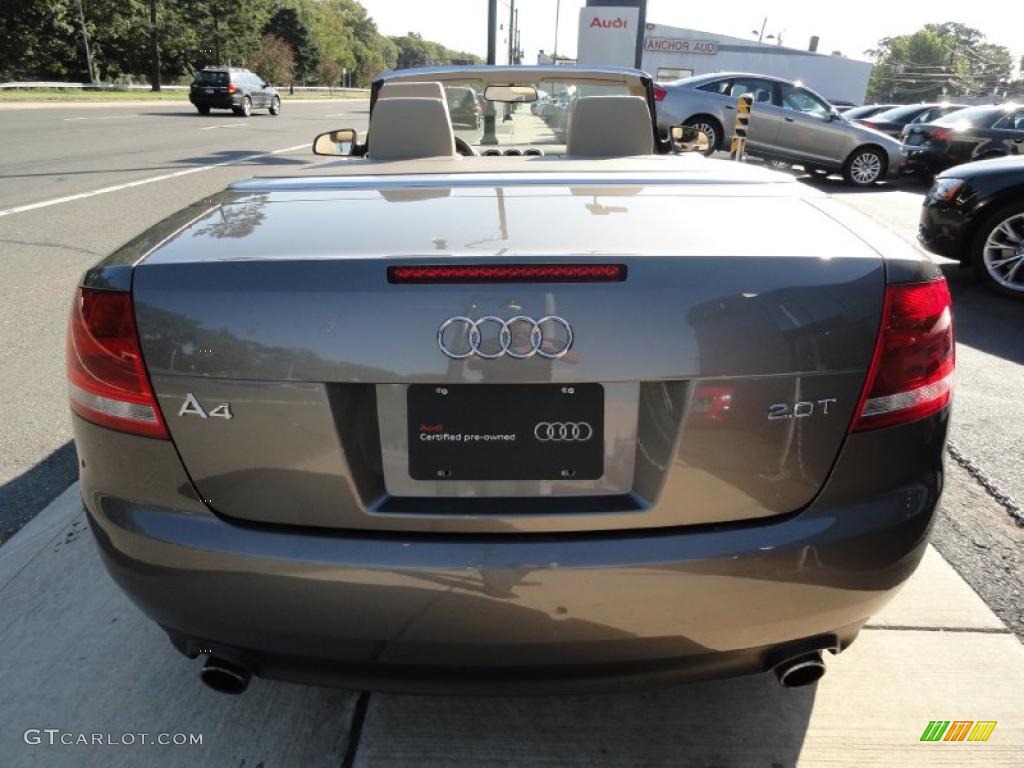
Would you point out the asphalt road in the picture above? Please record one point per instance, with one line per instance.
(77, 182)
(64, 204)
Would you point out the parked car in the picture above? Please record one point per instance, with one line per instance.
(975, 133)
(894, 120)
(789, 123)
(233, 88)
(464, 107)
(975, 213)
(856, 113)
(424, 421)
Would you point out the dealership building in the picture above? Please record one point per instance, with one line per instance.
(617, 35)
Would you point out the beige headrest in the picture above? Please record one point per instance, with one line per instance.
(419, 90)
(402, 128)
(610, 126)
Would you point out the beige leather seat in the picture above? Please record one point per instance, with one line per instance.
(418, 90)
(403, 128)
(610, 126)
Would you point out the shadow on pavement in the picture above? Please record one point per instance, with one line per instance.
(984, 320)
(238, 157)
(22, 497)
(743, 721)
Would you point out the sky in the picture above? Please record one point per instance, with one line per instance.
(848, 27)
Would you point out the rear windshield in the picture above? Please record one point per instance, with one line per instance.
(212, 78)
(975, 117)
(901, 114)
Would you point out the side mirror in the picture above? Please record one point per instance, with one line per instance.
(833, 115)
(686, 138)
(335, 143)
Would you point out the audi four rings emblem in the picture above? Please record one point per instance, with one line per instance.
(563, 431)
(491, 337)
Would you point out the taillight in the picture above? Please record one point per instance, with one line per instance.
(868, 124)
(232, 87)
(940, 134)
(107, 381)
(911, 373)
(659, 93)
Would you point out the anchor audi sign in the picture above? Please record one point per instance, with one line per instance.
(681, 45)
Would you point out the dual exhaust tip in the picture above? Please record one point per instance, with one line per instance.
(799, 671)
(226, 676)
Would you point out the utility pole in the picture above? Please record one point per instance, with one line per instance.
(492, 29)
(764, 24)
(154, 42)
(511, 29)
(85, 39)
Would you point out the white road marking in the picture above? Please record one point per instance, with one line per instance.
(336, 114)
(106, 117)
(233, 125)
(140, 182)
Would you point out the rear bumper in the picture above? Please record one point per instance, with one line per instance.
(429, 612)
(216, 101)
(929, 159)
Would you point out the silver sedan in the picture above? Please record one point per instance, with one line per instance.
(789, 122)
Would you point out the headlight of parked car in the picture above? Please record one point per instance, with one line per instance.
(944, 189)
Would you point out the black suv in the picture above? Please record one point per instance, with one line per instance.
(233, 88)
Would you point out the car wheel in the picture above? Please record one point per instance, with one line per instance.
(246, 109)
(710, 128)
(203, 110)
(864, 167)
(997, 251)
(778, 165)
(275, 106)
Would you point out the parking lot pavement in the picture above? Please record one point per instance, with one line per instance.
(80, 658)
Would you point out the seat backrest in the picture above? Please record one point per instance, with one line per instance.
(417, 90)
(610, 126)
(404, 127)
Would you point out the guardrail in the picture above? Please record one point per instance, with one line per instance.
(41, 85)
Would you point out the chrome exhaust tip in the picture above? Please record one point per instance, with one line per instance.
(800, 670)
(225, 676)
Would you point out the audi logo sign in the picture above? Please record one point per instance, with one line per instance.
(563, 431)
(492, 337)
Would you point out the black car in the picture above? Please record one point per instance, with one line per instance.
(893, 121)
(975, 213)
(233, 88)
(975, 133)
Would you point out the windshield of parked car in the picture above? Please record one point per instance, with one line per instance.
(973, 117)
(542, 123)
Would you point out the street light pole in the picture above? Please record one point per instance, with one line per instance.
(558, 13)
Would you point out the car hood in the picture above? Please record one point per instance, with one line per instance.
(863, 133)
(993, 167)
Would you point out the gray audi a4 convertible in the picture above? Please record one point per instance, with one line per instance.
(505, 408)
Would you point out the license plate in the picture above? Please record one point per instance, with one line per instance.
(506, 431)
(207, 90)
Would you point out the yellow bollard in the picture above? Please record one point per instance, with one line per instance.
(738, 149)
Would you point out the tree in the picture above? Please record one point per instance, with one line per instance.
(329, 72)
(937, 60)
(273, 60)
(286, 25)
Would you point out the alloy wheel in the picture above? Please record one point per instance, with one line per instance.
(866, 168)
(1003, 253)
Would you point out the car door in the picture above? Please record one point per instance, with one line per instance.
(808, 129)
(765, 116)
(259, 92)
